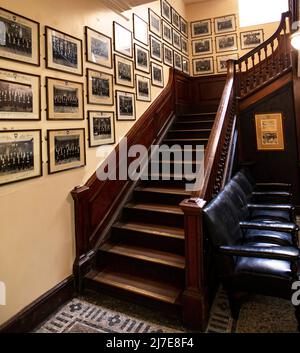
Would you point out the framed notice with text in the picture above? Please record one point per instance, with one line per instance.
(269, 132)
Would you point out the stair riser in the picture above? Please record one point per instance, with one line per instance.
(196, 117)
(148, 197)
(148, 216)
(145, 269)
(188, 134)
(166, 183)
(188, 144)
(186, 167)
(153, 241)
(194, 125)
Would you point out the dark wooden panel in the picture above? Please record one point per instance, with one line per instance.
(35, 313)
(272, 166)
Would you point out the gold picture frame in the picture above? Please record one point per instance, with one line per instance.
(269, 132)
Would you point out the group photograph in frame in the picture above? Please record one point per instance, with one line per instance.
(143, 88)
(175, 19)
(66, 149)
(184, 46)
(168, 55)
(99, 88)
(20, 155)
(203, 66)
(176, 40)
(123, 71)
(167, 32)
(154, 23)
(166, 10)
(142, 60)
(122, 40)
(201, 28)
(140, 29)
(202, 46)
(225, 24)
(251, 39)
(177, 61)
(101, 128)
(269, 132)
(63, 52)
(183, 27)
(64, 99)
(155, 48)
(20, 96)
(157, 75)
(125, 106)
(185, 65)
(226, 43)
(98, 48)
(222, 62)
(20, 38)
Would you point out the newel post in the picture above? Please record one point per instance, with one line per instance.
(81, 212)
(195, 296)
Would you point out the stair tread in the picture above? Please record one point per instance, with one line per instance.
(152, 289)
(189, 130)
(146, 254)
(164, 190)
(193, 121)
(156, 207)
(186, 139)
(154, 229)
(198, 114)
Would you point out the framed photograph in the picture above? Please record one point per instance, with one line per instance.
(155, 48)
(185, 65)
(142, 61)
(252, 39)
(125, 106)
(98, 48)
(177, 40)
(122, 40)
(167, 32)
(201, 28)
(157, 75)
(140, 29)
(19, 38)
(225, 24)
(99, 88)
(226, 43)
(168, 55)
(183, 27)
(20, 155)
(63, 52)
(269, 132)
(175, 19)
(222, 62)
(202, 46)
(64, 100)
(184, 46)
(154, 23)
(177, 61)
(66, 150)
(203, 66)
(143, 88)
(123, 71)
(101, 128)
(20, 96)
(166, 10)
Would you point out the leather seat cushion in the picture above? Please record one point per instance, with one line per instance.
(278, 215)
(281, 238)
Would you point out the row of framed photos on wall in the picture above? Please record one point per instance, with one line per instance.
(228, 42)
(209, 65)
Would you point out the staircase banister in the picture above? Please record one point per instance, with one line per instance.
(282, 25)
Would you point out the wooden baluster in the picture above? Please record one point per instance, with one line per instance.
(279, 65)
(254, 79)
(247, 85)
(267, 63)
(241, 82)
(260, 78)
(272, 66)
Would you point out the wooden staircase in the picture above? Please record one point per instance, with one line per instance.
(144, 255)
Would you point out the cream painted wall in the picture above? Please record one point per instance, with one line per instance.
(217, 8)
(36, 217)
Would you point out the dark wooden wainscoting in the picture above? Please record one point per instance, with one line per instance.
(272, 166)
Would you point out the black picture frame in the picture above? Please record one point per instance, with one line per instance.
(37, 149)
(141, 50)
(204, 28)
(92, 114)
(154, 43)
(126, 116)
(7, 54)
(177, 55)
(208, 71)
(126, 33)
(166, 10)
(120, 81)
(140, 25)
(184, 27)
(155, 68)
(226, 20)
(175, 19)
(165, 37)
(203, 48)
(92, 99)
(176, 36)
(185, 65)
(184, 46)
(49, 50)
(251, 45)
(166, 60)
(51, 150)
(152, 29)
(104, 63)
(7, 77)
(226, 36)
(139, 78)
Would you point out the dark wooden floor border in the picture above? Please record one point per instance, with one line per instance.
(36, 312)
